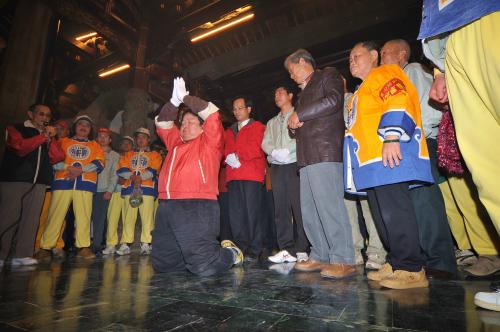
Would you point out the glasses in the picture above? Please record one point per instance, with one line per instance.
(239, 108)
(42, 114)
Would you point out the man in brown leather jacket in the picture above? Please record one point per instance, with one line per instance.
(318, 124)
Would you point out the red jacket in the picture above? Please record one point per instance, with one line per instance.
(191, 169)
(247, 145)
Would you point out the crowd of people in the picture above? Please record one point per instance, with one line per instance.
(407, 156)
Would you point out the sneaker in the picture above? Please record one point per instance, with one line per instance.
(109, 250)
(282, 257)
(465, 257)
(488, 300)
(145, 248)
(58, 253)
(43, 254)
(85, 253)
(309, 266)
(338, 271)
(237, 253)
(374, 262)
(485, 266)
(358, 258)
(283, 268)
(302, 257)
(384, 271)
(123, 250)
(23, 261)
(402, 279)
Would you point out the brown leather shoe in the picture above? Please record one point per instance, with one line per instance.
(338, 271)
(402, 279)
(43, 254)
(382, 273)
(309, 266)
(85, 253)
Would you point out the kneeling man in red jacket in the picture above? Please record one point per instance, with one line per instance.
(187, 219)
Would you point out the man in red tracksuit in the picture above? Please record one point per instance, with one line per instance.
(245, 175)
(187, 219)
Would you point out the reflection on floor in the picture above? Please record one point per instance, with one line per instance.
(124, 294)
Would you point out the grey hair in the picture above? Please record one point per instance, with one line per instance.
(300, 54)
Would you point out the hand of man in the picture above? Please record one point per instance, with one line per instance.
(136, 181)
(280, 155)
(438, 90)
(181, 91)
(391, 152)
(294, 122)
(107, 196)
(72, 172)
(174, 99)
(233, 161)
(50, 131)
(121, 181)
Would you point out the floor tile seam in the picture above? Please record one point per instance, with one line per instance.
(15, 327)
(185, 325)
(283, 313)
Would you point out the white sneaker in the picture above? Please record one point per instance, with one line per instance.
(23, 261)
(374, 262)
(282, 257)
(145, 248)
(302, 256)
(109, 250)
(488, 300)
(123, 250)
(283, 268)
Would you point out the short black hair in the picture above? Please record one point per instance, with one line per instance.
(370, 45)
(289, 89)
(188, 111)
(248, 100)
(32, 107)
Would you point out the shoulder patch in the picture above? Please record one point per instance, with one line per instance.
(392, 88)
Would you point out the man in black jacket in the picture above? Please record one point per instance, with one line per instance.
(319, 128)
(26, 170)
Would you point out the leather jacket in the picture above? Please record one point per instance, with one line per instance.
(320, 107)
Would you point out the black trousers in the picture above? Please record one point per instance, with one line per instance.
(225, 226)
(99, 217)
(434, 232)
(185, 237)
(245, 199)
(394, 217)
(287, 214)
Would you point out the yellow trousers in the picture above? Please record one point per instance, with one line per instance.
(82, 207)
(469, 222)
(146, 210)
(472, 67)
(43, 221)
(116, 209)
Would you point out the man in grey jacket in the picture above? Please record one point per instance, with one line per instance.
(281, 151)
(319, 126)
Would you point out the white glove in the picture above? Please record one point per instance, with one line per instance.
(280, 155)
(174, 99)
(233, 161)
(181, 89)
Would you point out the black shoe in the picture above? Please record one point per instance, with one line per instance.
(495, 286)
(439, 274)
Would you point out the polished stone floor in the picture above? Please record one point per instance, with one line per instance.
(124, 294)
